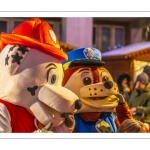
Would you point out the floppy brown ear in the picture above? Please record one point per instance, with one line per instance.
(15, 57)
(68, 73)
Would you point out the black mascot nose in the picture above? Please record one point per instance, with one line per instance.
(108, 84)
(78, 104)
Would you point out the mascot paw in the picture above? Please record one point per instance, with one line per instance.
(69, 119)
(46, 129)
(121, 98)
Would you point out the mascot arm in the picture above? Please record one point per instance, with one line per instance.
(46, 129)
(5, 119)
(117, 122)
(123, 112)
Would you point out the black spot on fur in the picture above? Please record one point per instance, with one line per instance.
(32, 90)
(6, 60)
(16, 58)
(11, 48)
(23, 49)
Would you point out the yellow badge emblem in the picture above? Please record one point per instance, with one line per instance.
(102, 126)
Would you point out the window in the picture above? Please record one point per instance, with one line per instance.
(107, 37)
(8, 24)
(3, 26)
(118, 38)
(146, 34)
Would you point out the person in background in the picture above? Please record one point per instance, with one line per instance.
(147, 71)
(123, 82)
(132, 126)
(139, 102)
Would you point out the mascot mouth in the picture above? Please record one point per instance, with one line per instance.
(97, 98)
(99, 104)
(100, 99)
(56, 97)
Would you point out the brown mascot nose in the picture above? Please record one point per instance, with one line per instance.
(78, 104)
(108, 84)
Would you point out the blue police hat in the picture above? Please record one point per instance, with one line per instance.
(84, 56)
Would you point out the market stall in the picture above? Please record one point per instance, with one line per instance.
(130, 59)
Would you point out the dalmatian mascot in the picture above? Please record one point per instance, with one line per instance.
(85, 75)
(31, 96)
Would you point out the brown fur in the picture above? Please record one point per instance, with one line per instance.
(70, 71)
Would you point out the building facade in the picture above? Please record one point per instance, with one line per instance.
(103, 33)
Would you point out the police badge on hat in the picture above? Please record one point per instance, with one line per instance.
(102, 126)
(88, 53)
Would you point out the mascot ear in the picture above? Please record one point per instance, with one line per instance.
(14, 57)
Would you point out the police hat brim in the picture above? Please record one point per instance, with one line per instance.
(86, 62)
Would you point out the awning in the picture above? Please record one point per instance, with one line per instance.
(129, 51)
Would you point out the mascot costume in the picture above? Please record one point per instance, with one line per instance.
(31, 96)
(85, 75)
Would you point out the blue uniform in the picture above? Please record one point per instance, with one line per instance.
(105, 124)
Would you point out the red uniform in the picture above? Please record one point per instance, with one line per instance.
(21, 119)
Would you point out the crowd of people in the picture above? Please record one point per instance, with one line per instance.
(137, 98)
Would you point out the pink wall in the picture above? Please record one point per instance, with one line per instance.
(78, 31)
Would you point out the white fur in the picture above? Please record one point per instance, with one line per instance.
(49, 99)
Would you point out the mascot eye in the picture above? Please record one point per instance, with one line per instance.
(53, 78)
(104, 79)
(87, 81)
